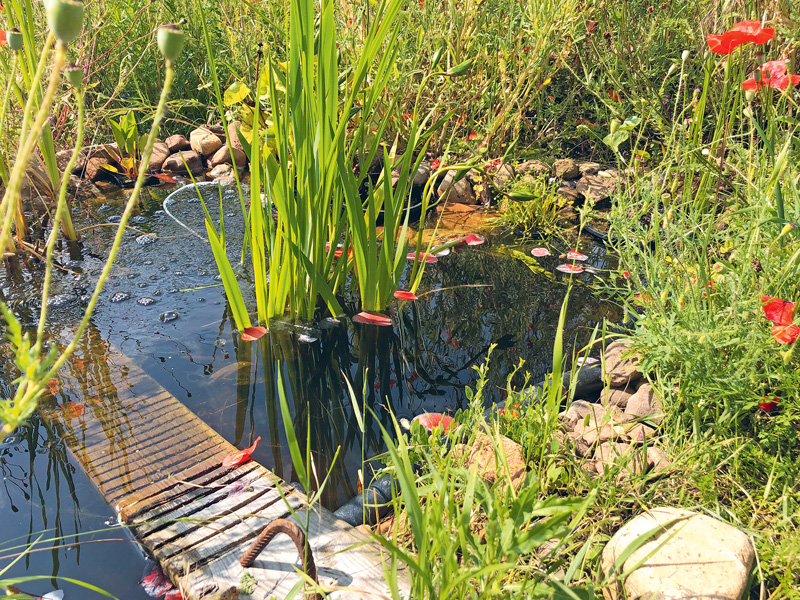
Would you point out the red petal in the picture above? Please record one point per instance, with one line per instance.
(3, 40)
(539, 252)
(751, 85)
(473, 239)
(472, 136)
(569, 269)
(753, 32)
(431, 421)
(428, 258)
(785, 334)
(370, 318)
(436, 163)
(768, 405)
(774, 68)
(251, 334)
(403, 295)
(778, 311)
(240, 456)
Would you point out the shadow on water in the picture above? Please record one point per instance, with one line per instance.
(165, 312)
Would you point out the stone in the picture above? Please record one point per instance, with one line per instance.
(588, 168)
(502, 175)
(422, 174)
(223, 156)
(223, 170)
(566, 168)
(692, 556)
(634, 461)
(533, 167)
(483, 452)
(94, 170)
(657, 460)
(595, 433)
(204, 141)
(234, 137)
(64, 156)
(570, 194)
(578, 410)
(616, 397)
(645, 403)
(596, 188)
(463, 218)
(621, 371)
(582, 449)
(159, 155)
(459, 191)
(177, 142)
(82, 189)
(639, 433)
(174, 163)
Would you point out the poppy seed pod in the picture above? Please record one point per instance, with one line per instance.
(170, 41)
(14, 39)
(65, 18)
(74, 75)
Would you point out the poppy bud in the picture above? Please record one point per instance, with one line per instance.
(65, 18)
(684, 56)
(14, 39)
(74, 75)
(170, 41)
(750, 95)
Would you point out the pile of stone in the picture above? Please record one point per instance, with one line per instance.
(614, 431)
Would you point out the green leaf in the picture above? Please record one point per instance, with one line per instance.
(235, 93)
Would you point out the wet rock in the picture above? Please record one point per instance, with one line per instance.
(204, 141)
(588, 168)
(94, 168)
(459, 191)
(82, 189)
(138, 220)
(223, 156)
(160, 154)
(168, 316)
(119, 297)
(645, 403)
(146, 239)
(566, 168)
(146, 301)
(462, 217)
(596, 188)
(692, 556)
(533, 167)
(570, 194)
(175, 164)
(223, 170)
(114, 219)
(177, 142)
(483, 452)
(618, 370)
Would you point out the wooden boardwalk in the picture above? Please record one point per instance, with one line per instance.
(161, 468)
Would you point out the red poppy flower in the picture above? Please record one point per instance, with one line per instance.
(742, 33)
(3, 40)
(431, 421)
(526, 48)
(785, 334)
(472, 136)
(626, 275)
(403, 295)
(613, 95)
(369, 318)
(436, 163)
(251, 334)
(240, 456)
(768, 405)
(778, 311)
(773, 74)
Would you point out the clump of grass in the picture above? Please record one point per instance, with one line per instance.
(530, 208)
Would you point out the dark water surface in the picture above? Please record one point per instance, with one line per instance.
(163, 308)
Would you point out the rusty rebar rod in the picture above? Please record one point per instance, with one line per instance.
(297, 535)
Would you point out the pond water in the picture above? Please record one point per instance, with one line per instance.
(166, 312)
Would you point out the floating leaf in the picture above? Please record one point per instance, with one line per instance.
(163, 177)
(569, 269)
(240, 456)
(403, 295)
(473, 239)
(428, 258)
(155, 583)
(442, 253)
(72, 409)
(540, 252)
(431, 421)
(370, 318)
(575, 255)
(251, 334)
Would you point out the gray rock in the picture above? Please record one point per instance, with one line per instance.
(692, 556)
(64, 156)
(422, 175)
(566, 168)
(618, 371)
(223, 170)
(616, 397)
(223, 156)
(596, 188)
(82, 189)
(588, 168)
(645, 403)
(159, 155)
(533, 167)
(204, 141)
(456, 191)
(502, 176)
(177, 142)
(175, 164)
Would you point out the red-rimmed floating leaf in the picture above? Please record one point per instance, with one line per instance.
(155, 583)
(768, 405)
(251, 334)
(540, 252)
(403, 295)
(163, 177)
(431, 421)
(785, 334)
(72, 409)
(371, 318)
(473, 239)
(575, 255)
(428, 258)
(777, 310)
(240, 456)
(569, 269)
(442, 253)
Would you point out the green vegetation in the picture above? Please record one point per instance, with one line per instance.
(704, 134)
